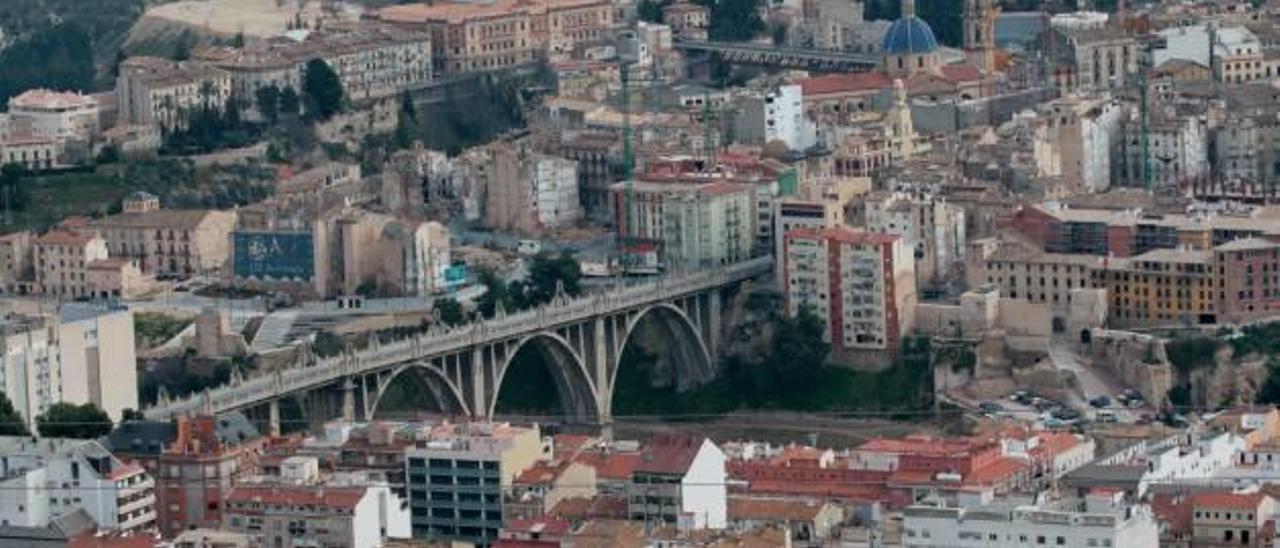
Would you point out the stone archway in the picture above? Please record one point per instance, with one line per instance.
(442, 389)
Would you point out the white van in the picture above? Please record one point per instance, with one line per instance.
(1106, 415)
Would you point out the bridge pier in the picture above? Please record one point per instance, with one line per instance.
(349, 401)
(273, 417)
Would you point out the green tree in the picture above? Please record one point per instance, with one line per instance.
(68, 420)
(13, 194)
(58, 57)
(797, 354)
(130, 415)
(328, 343)
(290, 103)
(182, 50)
(406, 122)
(11, 423)
(237, 41)
(651, 10)
(545, 273)
(495, 292)
(322, 90)
(451, 311)
(735, 20)
(268, 101)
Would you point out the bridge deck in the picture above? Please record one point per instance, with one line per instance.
(761, 54)
(262, 388)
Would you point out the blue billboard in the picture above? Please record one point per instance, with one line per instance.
(272, 255)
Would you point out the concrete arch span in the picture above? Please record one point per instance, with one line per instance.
(576, 391)
(437, 385)
(687, 357)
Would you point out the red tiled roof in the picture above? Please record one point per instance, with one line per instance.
(962, 72)
(610, 466)
(543, 525)
(670, 456)
(580, 508)
(1173, 511)
(842, 491)
(301, 495)
(1233, 501)
(996, 472)
(844, 83)
(773, 509)
(542, 473)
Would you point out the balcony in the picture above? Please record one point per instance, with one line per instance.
(133, 504)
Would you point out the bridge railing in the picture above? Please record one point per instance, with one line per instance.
(378, 355)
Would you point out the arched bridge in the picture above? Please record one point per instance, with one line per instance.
(463, 367)
(748, 53)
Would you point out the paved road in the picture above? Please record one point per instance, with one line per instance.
(1092, 382)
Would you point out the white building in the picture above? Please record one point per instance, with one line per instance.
(932, 229)
(61, 116)
(1178, 148)
(555, 192)
(776, 115)
(84, 356)
(308, 515)
(1189, 43)
(1081, 134)
(41, 479)
(1129, 526)
(680, 481)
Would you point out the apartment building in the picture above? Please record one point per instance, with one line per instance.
(1221, 519)
(1176, 150)
(1001, 526)
(817, 203)
(1080, 137)
(679, 481)
(197, 469)
(62, 260)
(1035, 276)
(1247, 279)
(861, 284)
(372, 61)
(599, 157)
(303, 507)
(695, 224)
(43, 479)
(170, 241)
(467, 37)
(1162, 286)
(1090, 58)
(776, 115)
(542, 195)
(457, 478)
(931, 228)
(155, 91)
(17, 262)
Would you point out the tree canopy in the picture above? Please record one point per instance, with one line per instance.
(11, 423)
(322, 89)
(68, 420)
(60, 58)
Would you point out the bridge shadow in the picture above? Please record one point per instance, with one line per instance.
(415, 393)
(544, 378)
(662, 364)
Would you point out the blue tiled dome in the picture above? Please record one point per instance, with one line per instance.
(907, 36)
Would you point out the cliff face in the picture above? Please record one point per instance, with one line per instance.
(1135, 359)
(1229, 380)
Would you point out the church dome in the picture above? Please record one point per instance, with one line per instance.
(909, 35)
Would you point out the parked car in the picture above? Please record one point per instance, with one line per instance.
(1065, 414)
(990, 407)
(1100, 402)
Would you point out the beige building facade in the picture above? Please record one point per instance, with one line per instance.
(170, 241)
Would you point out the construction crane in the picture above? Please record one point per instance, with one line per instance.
(625, 234)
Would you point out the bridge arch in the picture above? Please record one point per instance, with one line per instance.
(447, 393)
(692, 364)
(576, 391)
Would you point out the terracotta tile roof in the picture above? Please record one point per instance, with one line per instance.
(962, 72)
(610, 466)
(580, 508)
(844, 83)
(542, 473)
(835, 491)
(997, 472)
(544, 526)
(1173, 511)
(1233, 501)
(771, 509)
(301, 495)
(1055, 443)
(669, 456)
